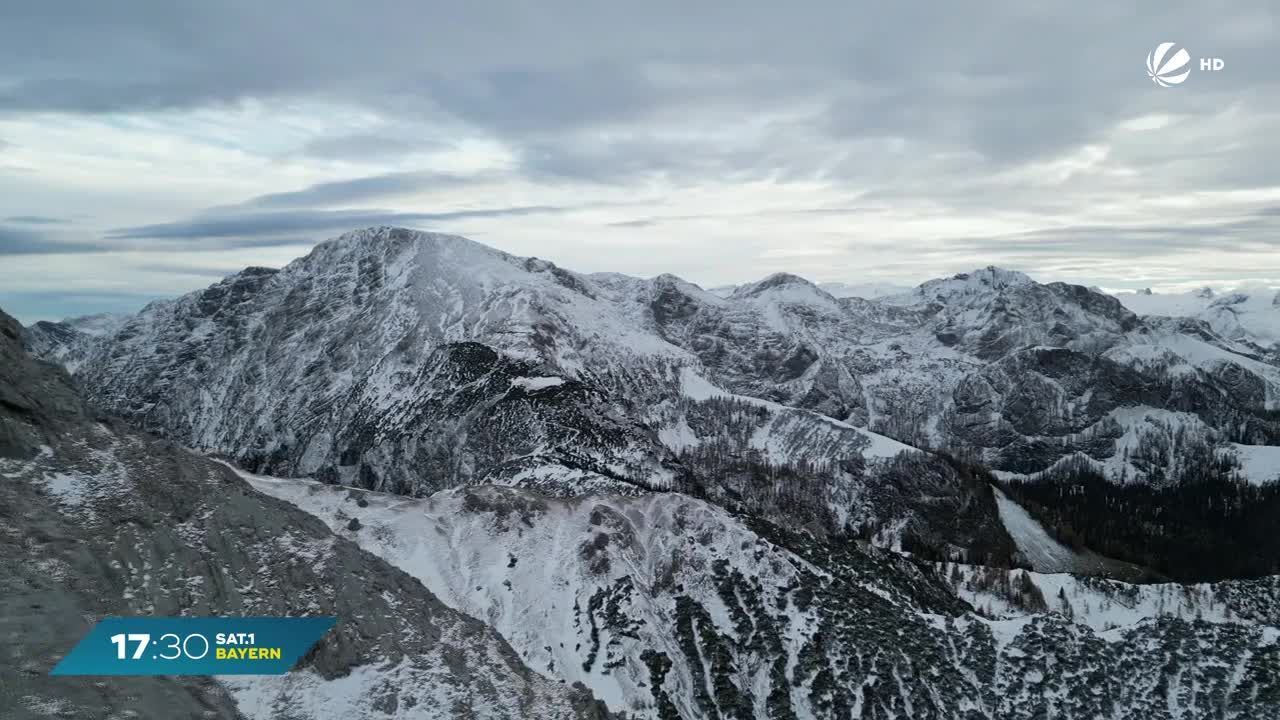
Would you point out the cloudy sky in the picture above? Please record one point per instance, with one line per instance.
(148, 148)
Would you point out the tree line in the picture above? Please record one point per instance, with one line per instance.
(1206, 525)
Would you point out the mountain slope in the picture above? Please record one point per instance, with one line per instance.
(667, 607)
(98, 520)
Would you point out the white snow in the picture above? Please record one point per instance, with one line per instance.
(537, 383)
(1101, 604)
(1260, 463)
(1005, 631)
(70, 489)
(1043, 552)
(1270, 636)
(678, 436)
(695, 387)
(880, 447)
(354, 696)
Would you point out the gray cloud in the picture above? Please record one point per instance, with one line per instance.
(362, 146)
(179, 269)
(822, 211)
(36, 220)
(622, 162)
(534, 100)
(952, 109)
(361, 189)
(263, 227)
(1015, 82)
(17, 241)
(1020, 83)
(1257, 233)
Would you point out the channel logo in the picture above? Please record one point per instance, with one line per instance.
(1167, 69)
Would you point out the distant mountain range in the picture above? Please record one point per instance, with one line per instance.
(1249, 315)
(332, 366)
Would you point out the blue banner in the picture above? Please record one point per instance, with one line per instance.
(194, 646)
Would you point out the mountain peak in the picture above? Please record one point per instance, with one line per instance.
(667, 280)
(775, 281)
(396, 235)
(447, 255)
(978, 282)
(390, 238)
(994, 276)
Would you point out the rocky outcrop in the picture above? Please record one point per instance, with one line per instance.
(98, 520)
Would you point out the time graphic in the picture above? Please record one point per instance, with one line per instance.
(194, 645)
(171, 646)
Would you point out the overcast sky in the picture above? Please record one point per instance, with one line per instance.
(148, 148)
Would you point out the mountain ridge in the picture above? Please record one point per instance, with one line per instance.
(392, 359)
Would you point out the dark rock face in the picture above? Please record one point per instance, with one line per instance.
(670, 304)
(947, 337)
(36, 398)
(468, 419)
(96, 520)
(1097, 303)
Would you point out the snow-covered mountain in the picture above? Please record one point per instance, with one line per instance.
(69, 341)
(670, 607)
(764, 502)
(867, 290)
(1185, 304)
(412, 362)
(1021, 373)
(1249, 314)
(98, 520)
